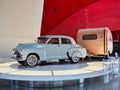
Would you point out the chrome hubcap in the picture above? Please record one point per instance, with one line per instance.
(32, 60)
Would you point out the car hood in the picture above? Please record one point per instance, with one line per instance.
(30, 45)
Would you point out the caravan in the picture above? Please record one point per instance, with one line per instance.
(97, 41)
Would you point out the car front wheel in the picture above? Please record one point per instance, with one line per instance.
(32, 60)
(75, 58)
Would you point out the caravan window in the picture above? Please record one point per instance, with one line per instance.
(89, 37)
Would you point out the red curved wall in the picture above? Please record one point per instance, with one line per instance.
(66, 17)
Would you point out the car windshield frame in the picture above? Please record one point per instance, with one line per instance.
(42, 40)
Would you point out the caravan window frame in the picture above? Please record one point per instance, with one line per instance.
(89, 37)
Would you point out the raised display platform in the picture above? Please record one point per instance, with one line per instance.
(54, 75)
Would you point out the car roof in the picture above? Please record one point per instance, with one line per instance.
(55, 36)
(60, 36)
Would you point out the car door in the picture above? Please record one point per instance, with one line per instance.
(66, 44)
(53, 50)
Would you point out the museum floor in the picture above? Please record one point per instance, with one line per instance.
(89, 84)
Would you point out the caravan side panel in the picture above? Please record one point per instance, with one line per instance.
(95, 40)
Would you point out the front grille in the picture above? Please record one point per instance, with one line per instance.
(18, 55)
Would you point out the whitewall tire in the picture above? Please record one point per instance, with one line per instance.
(32, 60)
(75, 57)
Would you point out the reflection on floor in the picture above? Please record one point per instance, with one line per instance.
(90, 84)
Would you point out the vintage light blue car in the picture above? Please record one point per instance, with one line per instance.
(49, 47)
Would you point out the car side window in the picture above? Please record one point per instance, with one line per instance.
(42, 40)
(65, 41)
(53, 41)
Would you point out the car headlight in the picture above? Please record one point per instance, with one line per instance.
(15, 50)
(20, 50)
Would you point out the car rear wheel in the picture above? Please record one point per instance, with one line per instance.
(32, 60)
(75, 58)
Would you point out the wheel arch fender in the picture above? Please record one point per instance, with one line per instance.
(34, 54)
(71, 51)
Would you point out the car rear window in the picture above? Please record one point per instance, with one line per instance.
(65, 41)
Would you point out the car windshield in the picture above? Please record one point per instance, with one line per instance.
(42, 40)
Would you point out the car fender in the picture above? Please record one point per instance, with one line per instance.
(76, 51)
(40, 53)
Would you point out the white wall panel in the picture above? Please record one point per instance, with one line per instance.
(20, 22)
